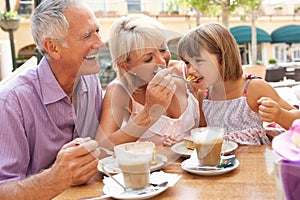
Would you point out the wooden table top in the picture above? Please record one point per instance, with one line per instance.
(253, 179)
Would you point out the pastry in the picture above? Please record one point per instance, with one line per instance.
(188, 143)
(191, 78)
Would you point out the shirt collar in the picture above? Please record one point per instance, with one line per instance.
(50, 88)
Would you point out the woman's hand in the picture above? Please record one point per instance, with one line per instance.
(170, 140)
(159, 93)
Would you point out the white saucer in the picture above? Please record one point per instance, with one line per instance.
(112, 192)
(112, 167)
(188, 163)
(179, 148)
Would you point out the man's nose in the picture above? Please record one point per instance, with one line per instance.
(98, 41)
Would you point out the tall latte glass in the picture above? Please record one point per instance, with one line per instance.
(208, 144)
(134, 161)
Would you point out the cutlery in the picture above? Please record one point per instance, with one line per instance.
(108, 174)
(153, 187)
(205, 168)
(163, 184)
(129, 192)
(108, 152)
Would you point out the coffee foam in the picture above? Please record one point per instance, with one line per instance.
(134, 153)
(207, 135)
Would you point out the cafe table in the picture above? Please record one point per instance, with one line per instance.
(253, 179)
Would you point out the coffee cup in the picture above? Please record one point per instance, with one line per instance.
(134, 160)
(208, 143)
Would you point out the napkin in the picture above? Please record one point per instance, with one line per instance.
(155, 177)
(161, 176)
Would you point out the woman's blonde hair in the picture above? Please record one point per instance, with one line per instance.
(131, 33)
(217, 40)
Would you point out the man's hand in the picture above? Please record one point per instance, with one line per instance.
(76, 162)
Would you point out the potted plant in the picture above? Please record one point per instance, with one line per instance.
(272, 61)
(9, 20)
(278, 8)
(297, 9)
(274, 71)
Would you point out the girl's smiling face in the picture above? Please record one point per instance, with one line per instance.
(205, 65)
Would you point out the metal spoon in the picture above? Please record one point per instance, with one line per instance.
(163, 184)
(108, 152)
(108, 174)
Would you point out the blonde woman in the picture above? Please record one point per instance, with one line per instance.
(145, 102)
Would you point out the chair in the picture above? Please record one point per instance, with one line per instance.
(258, 70)
(32, 62)
(275, 74)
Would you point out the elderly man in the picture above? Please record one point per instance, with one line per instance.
(48, 116)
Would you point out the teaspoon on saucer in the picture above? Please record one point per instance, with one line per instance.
(206, 168)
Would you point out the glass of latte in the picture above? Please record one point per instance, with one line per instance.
(134, 160)
(208, 143)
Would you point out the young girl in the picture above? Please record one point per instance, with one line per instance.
(236, 102)
(145, 102)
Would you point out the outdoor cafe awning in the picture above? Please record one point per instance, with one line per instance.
(243, 34)
(286, 34)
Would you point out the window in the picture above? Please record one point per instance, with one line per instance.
(134, 5)
(25, 7)
(296, 53)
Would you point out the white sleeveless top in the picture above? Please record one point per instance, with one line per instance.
(167, 126)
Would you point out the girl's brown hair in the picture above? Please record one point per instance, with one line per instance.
(217, 40)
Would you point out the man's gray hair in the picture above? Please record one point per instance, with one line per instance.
(49, 21)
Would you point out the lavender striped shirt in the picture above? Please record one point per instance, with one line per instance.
(37, 119)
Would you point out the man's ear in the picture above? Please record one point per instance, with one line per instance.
(52, 48)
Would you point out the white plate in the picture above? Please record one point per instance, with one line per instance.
(188, 163)
(112, 167)
(112, 192)
(179, 148)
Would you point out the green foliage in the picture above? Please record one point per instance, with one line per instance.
(9, 15)
(172, 6)
(211, 6)
(278, 8)
(259, 62)
(272, 61)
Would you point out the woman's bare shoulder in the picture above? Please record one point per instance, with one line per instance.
(116, 88)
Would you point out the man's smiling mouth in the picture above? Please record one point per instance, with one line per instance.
(90, 57)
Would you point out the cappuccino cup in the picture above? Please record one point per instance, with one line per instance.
(208, 143)
(134, 160)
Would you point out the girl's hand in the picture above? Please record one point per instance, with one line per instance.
(268, 109)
